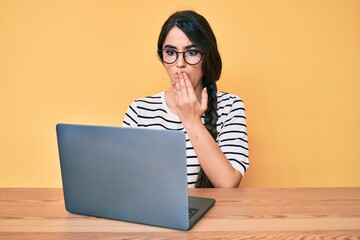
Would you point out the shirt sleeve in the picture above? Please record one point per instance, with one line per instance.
(232, 137)
(131, 116)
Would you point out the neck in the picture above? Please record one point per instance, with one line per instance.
(198, 93)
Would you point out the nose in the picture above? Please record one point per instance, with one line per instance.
(180, 61)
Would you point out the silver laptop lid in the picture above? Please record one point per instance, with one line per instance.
(130, 174)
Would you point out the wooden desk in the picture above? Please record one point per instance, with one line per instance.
(238, 213)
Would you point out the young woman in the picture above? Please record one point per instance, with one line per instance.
(214, 122)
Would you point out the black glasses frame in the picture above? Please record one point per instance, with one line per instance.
(160, 52)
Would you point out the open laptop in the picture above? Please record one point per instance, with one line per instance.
(129, 174)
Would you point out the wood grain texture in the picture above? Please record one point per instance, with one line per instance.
(302, 213)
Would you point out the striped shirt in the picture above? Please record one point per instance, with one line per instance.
(153, 112)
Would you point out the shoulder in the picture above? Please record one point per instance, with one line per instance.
(153, 100)
(150, 105)
(228, 100)
(156, 98)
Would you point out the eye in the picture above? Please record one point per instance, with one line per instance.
(170, 52)
(192, 52)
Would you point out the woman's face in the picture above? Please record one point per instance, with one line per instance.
(178, 41)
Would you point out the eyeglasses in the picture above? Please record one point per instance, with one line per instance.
(191, 56)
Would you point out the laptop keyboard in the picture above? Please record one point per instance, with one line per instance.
(192, 212)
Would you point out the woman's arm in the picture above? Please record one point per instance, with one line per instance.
(213, 161)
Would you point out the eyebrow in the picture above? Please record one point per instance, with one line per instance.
(186, 47)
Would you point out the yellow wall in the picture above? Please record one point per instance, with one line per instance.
(296, 64)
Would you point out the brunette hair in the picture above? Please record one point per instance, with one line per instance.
(198, 30)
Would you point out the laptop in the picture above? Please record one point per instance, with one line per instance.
(130, 174)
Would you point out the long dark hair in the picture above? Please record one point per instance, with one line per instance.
(198, 30)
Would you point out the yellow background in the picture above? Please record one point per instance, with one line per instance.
(296, 64)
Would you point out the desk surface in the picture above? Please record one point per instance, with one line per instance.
(329, 213)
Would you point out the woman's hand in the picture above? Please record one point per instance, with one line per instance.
(189, 106)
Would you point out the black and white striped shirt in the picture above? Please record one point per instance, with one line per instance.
(153, 112)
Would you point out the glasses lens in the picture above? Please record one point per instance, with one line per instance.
(169, 55)
(192, 56)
